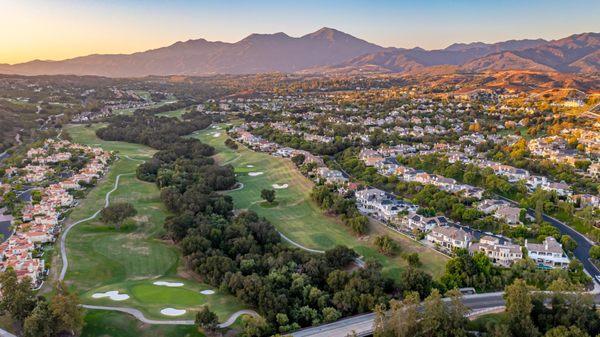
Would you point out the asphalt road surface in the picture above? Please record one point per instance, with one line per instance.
(362, 325)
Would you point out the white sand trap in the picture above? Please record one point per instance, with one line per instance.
(217, 134)
(250, 166)
(207, 292)
(168, 284)
(172, 312)
(113, 295)
(280, 187)
(254, 174)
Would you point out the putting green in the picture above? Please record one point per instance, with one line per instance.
(296, 215)
(129, 259)
(151, 298)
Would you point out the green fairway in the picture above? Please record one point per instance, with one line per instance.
(103, 258)
(174, 113)
(87, 135)
(100, 323)
(295, 215)
(129, 111)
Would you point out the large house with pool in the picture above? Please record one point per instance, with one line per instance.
(549, 254)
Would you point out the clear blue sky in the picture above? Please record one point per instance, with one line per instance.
(65, 28)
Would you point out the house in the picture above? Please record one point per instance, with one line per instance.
(534, 181)
(489, 206)
(561, 189)
(381, 205)
(509, 214)
(585, 200)
(594, 170)
(503, 254)
(548, 254)
(424, 224)
(449, 237)
(472, 192)
(370, 157)
(334, 177)
(284, 152)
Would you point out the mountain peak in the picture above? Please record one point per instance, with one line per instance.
(256, 37)
(329, 34)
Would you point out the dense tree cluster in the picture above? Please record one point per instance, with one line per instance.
(290, 287)
(35, 316)
(328, 199)
(161, 133)
(181, 104)
(115, 214)
(230, 143)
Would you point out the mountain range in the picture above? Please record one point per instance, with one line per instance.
(327, 51)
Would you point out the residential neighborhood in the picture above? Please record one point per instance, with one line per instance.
(37, 222)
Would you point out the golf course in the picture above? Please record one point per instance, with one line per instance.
(295, 215)
(131, 259)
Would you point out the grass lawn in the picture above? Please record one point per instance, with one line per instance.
(100, 323)
(129, 259)
(295, 214)
(480, 323)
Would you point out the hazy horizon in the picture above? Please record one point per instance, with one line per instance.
(64, 29)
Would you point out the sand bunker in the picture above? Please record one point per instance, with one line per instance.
(254, 174)
(113, 295)
(168, 284)
(207, 292)
(279, 187)
(217, 134)
(172, 312)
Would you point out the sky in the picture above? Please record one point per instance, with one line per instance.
(59, 29)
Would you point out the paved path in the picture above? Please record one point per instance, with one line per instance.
(63, 238)
(300, 246)
(239, 187)
(140, 316)
(138, 160)
(4, 333)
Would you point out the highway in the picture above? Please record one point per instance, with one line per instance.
(362, 325)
